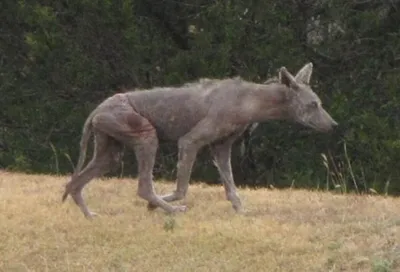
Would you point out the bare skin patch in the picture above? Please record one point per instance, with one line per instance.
(139, 126)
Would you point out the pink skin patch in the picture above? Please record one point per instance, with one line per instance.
(139, 126)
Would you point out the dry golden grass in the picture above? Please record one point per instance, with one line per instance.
(282, 230)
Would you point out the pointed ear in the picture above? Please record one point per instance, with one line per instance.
(304, 74)
(286, 78)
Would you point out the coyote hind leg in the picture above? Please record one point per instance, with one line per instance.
(138, 133)
(106, 153)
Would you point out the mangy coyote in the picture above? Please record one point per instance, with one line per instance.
(208, 112)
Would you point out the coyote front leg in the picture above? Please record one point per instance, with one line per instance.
(188, 146)
(221, 153)
(145, 150)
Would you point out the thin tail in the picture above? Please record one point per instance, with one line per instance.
(86, 133)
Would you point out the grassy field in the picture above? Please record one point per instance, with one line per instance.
(281, 230)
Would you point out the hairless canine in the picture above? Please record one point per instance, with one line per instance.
(210, 112)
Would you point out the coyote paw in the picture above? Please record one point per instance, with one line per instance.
(238, 208)
(177, 209)
(91, 215)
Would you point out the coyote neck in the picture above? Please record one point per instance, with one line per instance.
(267, 102)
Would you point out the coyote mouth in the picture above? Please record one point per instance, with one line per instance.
(315, 127)
(321, 129)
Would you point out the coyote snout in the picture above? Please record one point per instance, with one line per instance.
(317, 118)
(324, 122)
